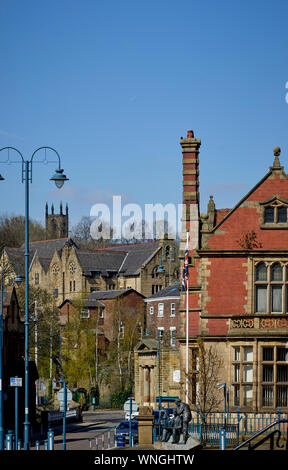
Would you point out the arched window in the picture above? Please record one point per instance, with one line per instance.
(261, 272)
(154, 272)
(276, 272)
(276, 289)
(167, 251)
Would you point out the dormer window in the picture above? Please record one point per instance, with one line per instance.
(282, 215)
(274, 214)
(269, 215)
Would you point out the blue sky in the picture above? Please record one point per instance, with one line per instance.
(112, 86)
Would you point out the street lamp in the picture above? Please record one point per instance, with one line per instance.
(18, 280)
(59, 178)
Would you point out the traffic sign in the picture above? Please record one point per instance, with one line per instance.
(134, 406)
(60, 395)
(15, 382)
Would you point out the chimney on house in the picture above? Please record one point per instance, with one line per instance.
(190, 217)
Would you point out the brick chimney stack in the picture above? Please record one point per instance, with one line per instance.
(190, 218)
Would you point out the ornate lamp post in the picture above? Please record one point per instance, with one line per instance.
(59, 178)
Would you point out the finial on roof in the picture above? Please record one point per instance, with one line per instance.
(276, 152)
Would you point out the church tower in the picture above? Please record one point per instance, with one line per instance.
(56, 224)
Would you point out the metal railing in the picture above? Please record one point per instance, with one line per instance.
(268, 436)
(209, 434)
(240, 424)
(104, 440)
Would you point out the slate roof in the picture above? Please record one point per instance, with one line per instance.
(16, 255)
(169, 291)
(123, 259)
(126, 260)
(109, 294)
(95, 297)
(44, 249)
(99, 261)
(137, 255)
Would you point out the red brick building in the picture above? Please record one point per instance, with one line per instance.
(238, 284)
(104, 305)
(162, 313)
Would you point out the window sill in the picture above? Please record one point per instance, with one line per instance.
(274, 226)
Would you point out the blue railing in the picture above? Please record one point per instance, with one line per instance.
(209, 434)
(237, 424)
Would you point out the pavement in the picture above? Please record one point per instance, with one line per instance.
(87, 435)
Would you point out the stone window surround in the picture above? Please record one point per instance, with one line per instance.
(239, 367)
(257, 372)
(269, 262)
(160, 310)
(85, 313)
(172, 336)
(172, 309)
(275, 202)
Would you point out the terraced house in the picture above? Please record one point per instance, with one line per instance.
(238, 285)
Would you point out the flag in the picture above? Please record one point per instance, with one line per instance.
(185, 269)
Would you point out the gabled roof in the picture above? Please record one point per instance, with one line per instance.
(44, 249)
(126, 260)
(223, 219)
(111, 294)
(123, 259)
(147, 343)
(95, 297)
(137, 256)
(16, 255)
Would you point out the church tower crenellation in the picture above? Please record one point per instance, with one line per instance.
(56, 224)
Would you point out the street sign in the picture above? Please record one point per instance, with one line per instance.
(60, 395)
(15, 382)
(134, 406)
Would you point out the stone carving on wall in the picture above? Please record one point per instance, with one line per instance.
(242, 323)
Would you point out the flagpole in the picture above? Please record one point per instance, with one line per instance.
(187, 329)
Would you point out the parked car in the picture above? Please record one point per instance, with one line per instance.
(123, 430)
(127, 414)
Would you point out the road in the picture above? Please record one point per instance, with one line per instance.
(88, 434)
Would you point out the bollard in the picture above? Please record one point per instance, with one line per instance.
(45, 445)
(222, 438)
(19, 444)
(37, 445)
(96, 443)
(9, 440)
(50, 439)
(108, 439)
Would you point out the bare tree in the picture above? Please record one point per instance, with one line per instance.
(203, 379)
(81, 233)
(12, 231)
